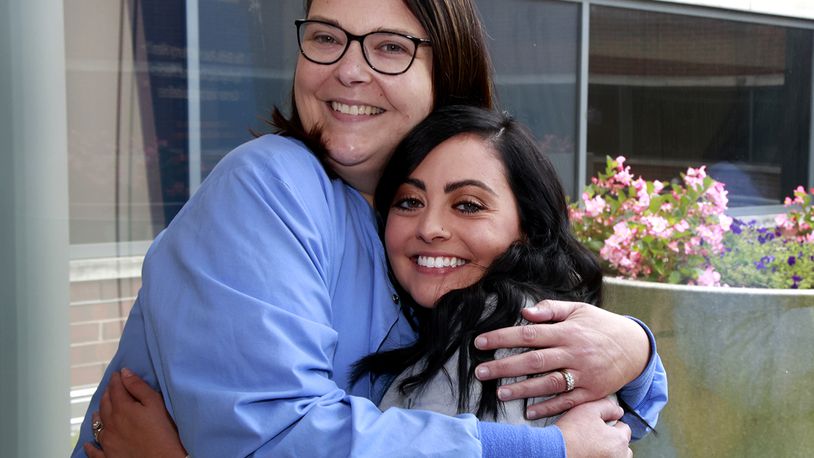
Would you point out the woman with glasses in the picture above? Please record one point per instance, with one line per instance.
(272, 281)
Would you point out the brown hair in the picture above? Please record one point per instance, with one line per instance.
(462, 69)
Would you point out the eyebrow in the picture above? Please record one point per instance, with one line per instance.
(450, 187)
(379, 29)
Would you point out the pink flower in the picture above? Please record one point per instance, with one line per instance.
(781, 220)
(681, 226)
(657, 226)
(643, 202)
(709, 278)
(657, 186)
(593, 207)
(695, 177)
(798, 195)
(717, 194)
(726, 222)
(685, 229)
(624, 177)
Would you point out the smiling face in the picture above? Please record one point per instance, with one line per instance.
(451, 218)
(363, 114)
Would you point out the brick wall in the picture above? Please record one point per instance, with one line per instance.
(102, 294)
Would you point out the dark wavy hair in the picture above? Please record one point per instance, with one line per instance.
(548, 263)
(462, 68)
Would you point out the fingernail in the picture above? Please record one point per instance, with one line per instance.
(531, 414)
(504, 393)
(482, 372)
(480, 342)
(534, 309)
(126, 372)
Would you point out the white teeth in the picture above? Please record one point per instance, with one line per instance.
(439, 261)
(355, 110)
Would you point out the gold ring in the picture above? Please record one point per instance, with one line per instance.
(97, 427)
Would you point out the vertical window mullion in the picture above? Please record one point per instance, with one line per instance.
(193, 94)
(582, 123)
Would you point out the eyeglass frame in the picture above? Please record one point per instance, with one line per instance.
(361, 39)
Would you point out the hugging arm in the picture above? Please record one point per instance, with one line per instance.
(237, 322)
(244, 334)
(138, 425)
(239, 326)
(604, 352)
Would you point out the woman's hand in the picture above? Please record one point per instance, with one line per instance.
(592, 430)
(601, 350)
(135, 422)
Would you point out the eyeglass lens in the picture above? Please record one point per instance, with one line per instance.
(386, 52)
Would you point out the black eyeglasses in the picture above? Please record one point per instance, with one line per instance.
(389, 53)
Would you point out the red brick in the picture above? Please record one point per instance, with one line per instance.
(85, 291)
(83, 333)
(101, 311)
(93, 353)
(126, 307)
(115, 289)
(87, 375)
(112, 330)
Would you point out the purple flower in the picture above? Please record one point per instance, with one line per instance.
(792, 260)
(737, 226)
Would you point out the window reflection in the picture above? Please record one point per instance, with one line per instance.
(671, 91)
(535, 49)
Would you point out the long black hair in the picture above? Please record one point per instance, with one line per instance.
(548, 263)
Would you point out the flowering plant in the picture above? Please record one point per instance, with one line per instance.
(679, 232)
(764, 257)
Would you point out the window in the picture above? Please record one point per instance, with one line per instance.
(671, 91)
(159, 91)
(535, 50)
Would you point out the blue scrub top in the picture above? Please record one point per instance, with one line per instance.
(256, 301)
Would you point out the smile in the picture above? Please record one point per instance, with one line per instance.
(438, 262)
(356, 110)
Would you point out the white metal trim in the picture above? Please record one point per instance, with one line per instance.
(193, 95)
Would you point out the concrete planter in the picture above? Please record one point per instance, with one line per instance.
(740, 363)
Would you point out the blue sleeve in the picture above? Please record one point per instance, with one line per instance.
(647, 394)
(238, 317)
(511, 441)
(234, 324)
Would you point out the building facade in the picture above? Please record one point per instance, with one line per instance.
(116, 110)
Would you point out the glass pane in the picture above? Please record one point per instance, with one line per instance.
(129, 138)
(535, 49)
(670, 91)
(126, 84)
(245, 69)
